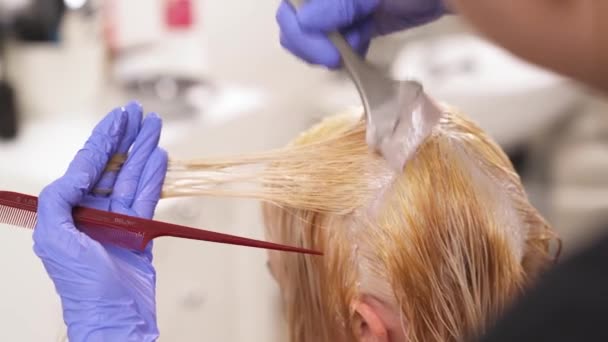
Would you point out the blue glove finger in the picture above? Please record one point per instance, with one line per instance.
(146, 198)
(129, 176)
(99, 148)
(149, 189)
(328, 16)
(55, 226)
(315, 48)
(360, 36)
(312, 48)
(151, 184)
(134, 116)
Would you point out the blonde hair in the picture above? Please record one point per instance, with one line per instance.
(447, 244)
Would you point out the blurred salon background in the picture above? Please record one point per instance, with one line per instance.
(216, 73)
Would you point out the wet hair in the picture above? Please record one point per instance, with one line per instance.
(447, 244)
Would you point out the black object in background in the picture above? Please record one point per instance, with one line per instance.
(569, 304)
(40, 21)
(8, 112)
(519, 157)
(8, 103)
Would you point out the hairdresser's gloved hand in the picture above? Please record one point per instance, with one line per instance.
(107, 293)
(303, 32)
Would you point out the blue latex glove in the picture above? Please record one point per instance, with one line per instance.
(107, 293)
(303, 32)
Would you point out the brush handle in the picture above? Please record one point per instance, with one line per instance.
(363, 74)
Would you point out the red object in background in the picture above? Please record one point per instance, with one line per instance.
(178, 13)
(109, 26)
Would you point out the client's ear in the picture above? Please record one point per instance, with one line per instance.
(369, 325)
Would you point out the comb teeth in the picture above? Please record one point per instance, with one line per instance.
(18, 217)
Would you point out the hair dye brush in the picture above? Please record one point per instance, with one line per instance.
(399, 115)
(126, 231)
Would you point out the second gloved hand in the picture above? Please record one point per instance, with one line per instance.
(303, 31)
(107, 293)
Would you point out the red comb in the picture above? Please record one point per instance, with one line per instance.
(123, 230)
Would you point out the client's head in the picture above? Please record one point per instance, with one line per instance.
(434, 253)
